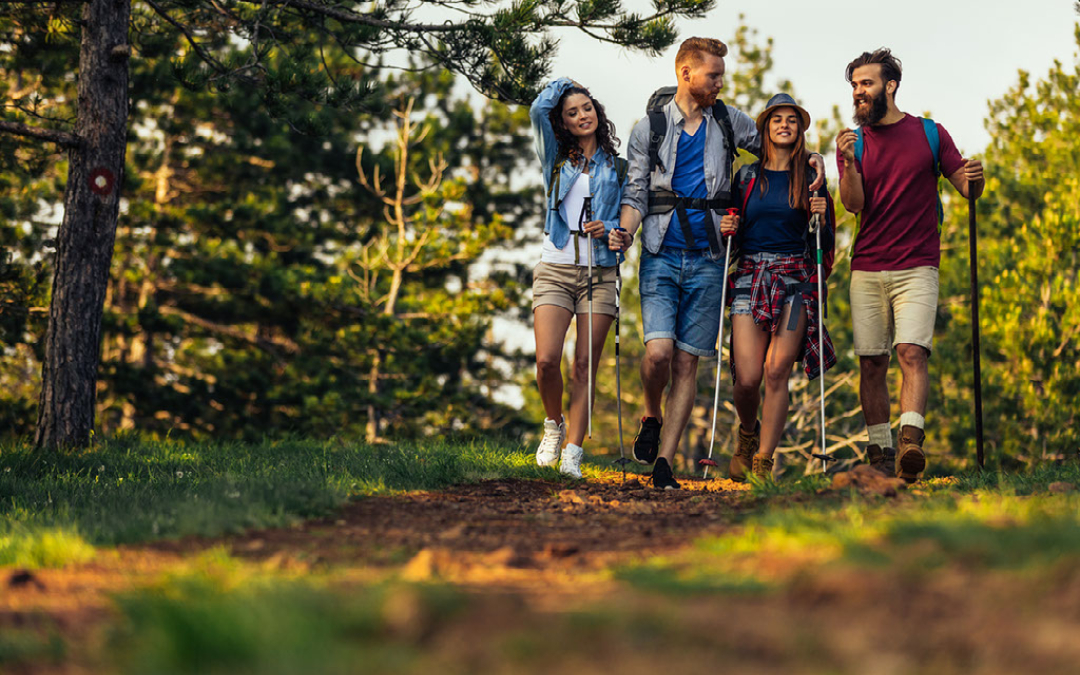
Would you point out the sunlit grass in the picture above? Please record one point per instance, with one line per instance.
(983, 529)
(41, 547)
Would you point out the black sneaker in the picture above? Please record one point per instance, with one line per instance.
(647, 442)
(662, 478)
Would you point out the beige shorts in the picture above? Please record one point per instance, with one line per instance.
(567, 286)
(893, 307)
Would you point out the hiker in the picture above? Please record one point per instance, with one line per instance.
(681, 157)
(576, 144)
(889, 176)
(774, 288)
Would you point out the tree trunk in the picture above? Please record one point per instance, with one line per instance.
(88, 231)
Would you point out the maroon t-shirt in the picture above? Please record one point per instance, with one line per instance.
(899, 227)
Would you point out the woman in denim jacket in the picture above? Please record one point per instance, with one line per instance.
(576, 144)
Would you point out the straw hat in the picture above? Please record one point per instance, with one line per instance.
(781, 101)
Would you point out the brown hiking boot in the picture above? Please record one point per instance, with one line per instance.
(910, 460)
(762, 468)
(881, 460)
(743, 459)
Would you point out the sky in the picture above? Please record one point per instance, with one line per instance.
(957, 54)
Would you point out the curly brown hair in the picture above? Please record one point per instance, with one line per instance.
(567, 142)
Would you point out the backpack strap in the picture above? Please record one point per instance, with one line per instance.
(930, 129)
(747, 182)
(657, 131)
(723, 119)
(932, 137)
(556, 177)
(622, 168)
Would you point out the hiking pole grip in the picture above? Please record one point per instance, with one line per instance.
(976, 361)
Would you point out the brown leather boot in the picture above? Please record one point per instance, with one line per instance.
(910, 460)
(762, 468)
(882, 460)
(743, 459)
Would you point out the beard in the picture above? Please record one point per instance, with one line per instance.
(703, 97)
(879, 106)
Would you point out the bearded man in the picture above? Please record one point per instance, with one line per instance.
(890, 180)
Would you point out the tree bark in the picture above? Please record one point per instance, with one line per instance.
(88, 231)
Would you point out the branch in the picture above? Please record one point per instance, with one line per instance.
(61, 138)
(364, 19)
(268, 346)
(203, 54)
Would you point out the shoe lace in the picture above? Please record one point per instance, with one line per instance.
(662, 473)
(651, 431)
(549, 444)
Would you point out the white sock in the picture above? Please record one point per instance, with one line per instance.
(880, 435)
(572, 447)
(912, 419)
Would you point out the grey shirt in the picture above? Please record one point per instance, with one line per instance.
(716, 158)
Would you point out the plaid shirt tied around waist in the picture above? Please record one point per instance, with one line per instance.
(768, 290)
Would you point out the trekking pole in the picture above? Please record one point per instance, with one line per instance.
(973, 238)
(622, 461)
(815, 227)
(587, 213)
(709, 461)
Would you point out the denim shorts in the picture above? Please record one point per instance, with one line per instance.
(740, 304)
(680, 298)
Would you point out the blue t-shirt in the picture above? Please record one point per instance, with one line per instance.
(770, 225)
(688, 180)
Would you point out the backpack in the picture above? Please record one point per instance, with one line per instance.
(746, 186)
(622, 167)
(658, 125)
(931, 131)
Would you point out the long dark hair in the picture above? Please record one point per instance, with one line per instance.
(568, 144)
(798, 197)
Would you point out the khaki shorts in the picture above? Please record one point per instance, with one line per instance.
(567, 286)
(893, 307)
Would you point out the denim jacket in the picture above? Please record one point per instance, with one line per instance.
(604, 183)
(717, 167)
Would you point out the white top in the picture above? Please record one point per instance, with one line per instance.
(571, 212)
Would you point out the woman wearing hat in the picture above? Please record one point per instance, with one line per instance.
(774, 291)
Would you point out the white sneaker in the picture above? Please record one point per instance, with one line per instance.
(554, 435)
(571, 461)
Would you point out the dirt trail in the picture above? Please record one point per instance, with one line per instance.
(529, 550)
(501, 533)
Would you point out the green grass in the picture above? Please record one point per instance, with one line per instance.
(54, 506)
(204, 623)
(30, 647)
